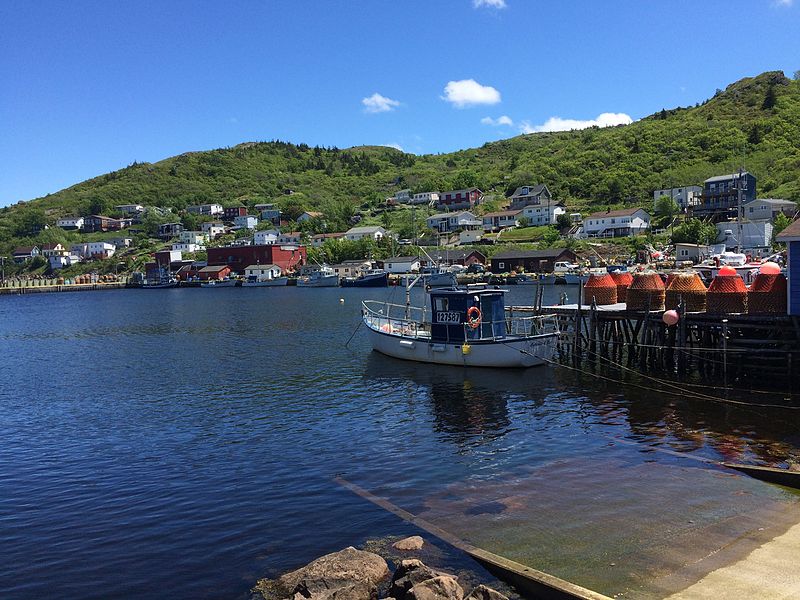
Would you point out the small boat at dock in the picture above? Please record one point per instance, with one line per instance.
(468, 327)
(214, 283)
(368, 279)
(325, 277)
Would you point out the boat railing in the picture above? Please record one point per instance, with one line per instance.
(395, 319)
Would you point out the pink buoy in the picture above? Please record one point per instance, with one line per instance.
(770, 268)
(727, 270)
(671, 317)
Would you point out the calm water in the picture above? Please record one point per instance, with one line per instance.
(183, 443)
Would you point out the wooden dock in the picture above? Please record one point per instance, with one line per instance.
(47, 289)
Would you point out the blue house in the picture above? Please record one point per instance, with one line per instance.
(721, 195)
(791, 237)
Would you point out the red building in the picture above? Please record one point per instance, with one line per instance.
(232, 212)
(240, 257)
(460, 199)
(217, 273)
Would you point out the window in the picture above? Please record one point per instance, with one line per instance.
(501, 265)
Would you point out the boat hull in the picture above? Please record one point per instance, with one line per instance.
(511, 353)
(381, 280)
(326, 281)
(219, 284)
(278, 281)
(160, 286)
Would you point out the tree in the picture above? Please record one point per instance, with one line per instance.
(564, 221)
(780, 223)
(666, 207)
(694, 231)
(523, 221)
(770, 98)
(796, 76)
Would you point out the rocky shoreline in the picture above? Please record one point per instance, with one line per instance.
(353, 574)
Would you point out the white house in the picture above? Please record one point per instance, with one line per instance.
(213, 229)
(262, 272)
(402, 264)
(193, 237)
(93, 250)
(187, 247)
(48, 250)
(122, 242)
(617, 223)
(530, 195)
(357, 233)
(206, 209)
(129, 209)
(497, 220)
(693, 252)
(425, 198)
(245, 221)
(686, 196)
(266, 237)
(70, 223)
(451, 221)
(543, 214)
(308, 215)
(766, 209)
(59, 261)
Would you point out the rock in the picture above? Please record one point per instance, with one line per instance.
(483, 592)
(409, 573)
(414, 542)
(349, 574)
(443, 587)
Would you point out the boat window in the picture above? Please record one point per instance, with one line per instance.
(440, 304)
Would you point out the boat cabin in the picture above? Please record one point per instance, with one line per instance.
(454, 320)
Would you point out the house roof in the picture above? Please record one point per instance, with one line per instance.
(51, 246)
(324, 236)
(402, 259)
(725, 177)
(472, 189)
(312, 213)
(262, 267)
(791, 233)
(775, 201)
(215, 269)
(623, 212)
(368, 229)
(549, 253)
(503, 213)
(533, 190)
(447, 215)
(24, 250)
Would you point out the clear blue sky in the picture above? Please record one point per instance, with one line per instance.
(87, 87)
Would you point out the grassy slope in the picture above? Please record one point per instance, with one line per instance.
(588, 169)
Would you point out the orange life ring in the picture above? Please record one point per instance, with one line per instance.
(474, 317)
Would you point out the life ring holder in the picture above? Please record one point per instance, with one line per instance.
(474, 317)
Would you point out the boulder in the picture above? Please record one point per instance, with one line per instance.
(409, 573)
(414, 542)
(483, 592)
(443, 587)
(349, 574)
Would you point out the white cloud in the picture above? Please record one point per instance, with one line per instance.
(494, 3)
(378, 104)
(468, 92)
(394, 145)
(559, 124)
(502, 120)
(783, 2)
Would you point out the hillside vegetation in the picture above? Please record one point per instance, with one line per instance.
(755, 121)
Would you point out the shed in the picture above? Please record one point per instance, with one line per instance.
(538, 261)
(791, 237)
(217, 272)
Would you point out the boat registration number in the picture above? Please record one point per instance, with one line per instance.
(448, 317)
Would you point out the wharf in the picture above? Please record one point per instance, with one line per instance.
(75, 287)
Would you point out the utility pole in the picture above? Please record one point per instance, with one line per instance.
(2, 271)
(740, 184)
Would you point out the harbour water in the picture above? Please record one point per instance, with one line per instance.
(184, 442)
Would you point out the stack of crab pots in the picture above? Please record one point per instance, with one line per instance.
(690, 288)
(623, 280)
(646, 292)
(767, 295)
(727, 293)
(600, 289)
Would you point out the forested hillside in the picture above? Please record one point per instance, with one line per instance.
(755, 122)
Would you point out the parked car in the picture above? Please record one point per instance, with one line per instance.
(476, 268)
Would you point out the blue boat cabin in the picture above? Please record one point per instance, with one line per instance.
(791, 237)
(452, 311)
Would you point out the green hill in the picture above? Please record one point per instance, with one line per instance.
(755, 121)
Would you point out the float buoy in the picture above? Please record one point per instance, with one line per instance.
(474, 317)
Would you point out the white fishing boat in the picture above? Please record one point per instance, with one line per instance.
(161, 284)
(468, 327)
(263, 276)
(219, 283)
(325, 277)
(275, 281)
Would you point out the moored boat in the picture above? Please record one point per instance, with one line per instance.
(467, 327)
(325, 277)
(219, 283)
(368, 279)
(160, 285)
(275, 281)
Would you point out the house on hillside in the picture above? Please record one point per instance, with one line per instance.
(721, 195)
(205, 209)
(187, 247)
(23, 254)
(129, 209)
(269, 213)
(193, 237)
(426, 198)
(48, 250)
(94, 223)
(358, 233)
(530, 195)
(545, 214)
(169, 230)
(617, 223)
(685, 197)
(291, 238)
(319, 239)
(245, 222)
(460, 199)
(266, 237)
(495, 221)
(230, 213)
(213, 229)
(531, 261)
(94, 250)
(451, 221)
(70, 223)
(308, 215)
(766, 209)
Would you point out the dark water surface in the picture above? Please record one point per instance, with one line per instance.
(183, 443)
